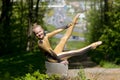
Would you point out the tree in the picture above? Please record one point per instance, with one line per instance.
(104, 26)
(16, 21)
(5, 29)
(111, 33)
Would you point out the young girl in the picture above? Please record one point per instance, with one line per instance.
(57, 54)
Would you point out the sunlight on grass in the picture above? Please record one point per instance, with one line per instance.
(108, 65)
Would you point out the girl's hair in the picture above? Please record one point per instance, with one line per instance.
(35, 25)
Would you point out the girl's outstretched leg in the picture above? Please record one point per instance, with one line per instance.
(68, 54)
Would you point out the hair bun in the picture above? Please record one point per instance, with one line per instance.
(35, 24)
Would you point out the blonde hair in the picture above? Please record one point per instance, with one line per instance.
(35, 25)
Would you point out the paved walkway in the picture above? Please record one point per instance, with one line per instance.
(91, 70)
(97, 73)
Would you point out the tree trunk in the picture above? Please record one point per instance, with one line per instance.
(33, 17)
(105, 11)
(5, 26)
(36, 11)
(30, 18)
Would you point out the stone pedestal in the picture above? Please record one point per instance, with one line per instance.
(56, 68)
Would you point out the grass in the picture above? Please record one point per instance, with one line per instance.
(70, 45)
(15, 65)
(50, 28)
(106, 64)
(75, 45)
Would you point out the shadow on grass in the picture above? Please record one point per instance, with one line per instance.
(82, 60)
(19, 64)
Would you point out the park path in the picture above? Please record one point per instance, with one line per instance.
(86, 68)
(97, 73)
(92, 71)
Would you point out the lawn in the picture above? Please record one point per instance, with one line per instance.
(19, 64)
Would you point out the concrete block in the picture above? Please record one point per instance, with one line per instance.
(56, 68)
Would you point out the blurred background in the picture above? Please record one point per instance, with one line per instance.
(99, 20)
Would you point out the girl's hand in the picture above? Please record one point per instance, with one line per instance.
(65, 62)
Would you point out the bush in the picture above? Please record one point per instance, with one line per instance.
(38, 76)
(34, 76)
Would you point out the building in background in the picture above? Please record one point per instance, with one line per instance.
(61, 12)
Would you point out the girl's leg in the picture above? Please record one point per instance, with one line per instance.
(68, 54)
(59, 48)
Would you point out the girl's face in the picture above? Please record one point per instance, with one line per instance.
(39, 32)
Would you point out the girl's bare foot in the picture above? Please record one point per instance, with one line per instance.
(95, 44)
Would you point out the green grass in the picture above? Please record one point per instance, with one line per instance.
(78, 34)
(50, 28)
(106, 64)
(70, 45)
(75, 45)
(16, 65)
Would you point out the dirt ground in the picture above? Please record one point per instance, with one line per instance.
(92, 70)
(86, 68)
(97, 73)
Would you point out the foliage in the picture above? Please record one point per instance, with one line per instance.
(94, 25)
(34, 76)
(14, 22)
(106, 64)
(105, 27)
(38, 76)
(111, 35)
(81, 75)
(95, 30)
(19, 64)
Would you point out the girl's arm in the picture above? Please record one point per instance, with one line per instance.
(57, 31)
